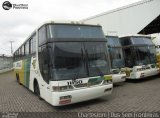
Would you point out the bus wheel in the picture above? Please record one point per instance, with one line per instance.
(36, 90)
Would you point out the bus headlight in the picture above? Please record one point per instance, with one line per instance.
(62, 88)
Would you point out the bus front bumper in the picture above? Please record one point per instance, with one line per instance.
(117, 78)
(144, 74)
(79, 95)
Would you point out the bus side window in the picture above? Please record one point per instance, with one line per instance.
(33, 44)
(18, 54)
(22, 51)
(42, 35)
(27, 48)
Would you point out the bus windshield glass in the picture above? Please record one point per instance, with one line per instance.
(142, 55)
(74, 31)
(116, 57)
(113, 41)
(152, 54)
(70, 60)
(115, 51)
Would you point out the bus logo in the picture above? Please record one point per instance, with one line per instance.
(75, 82)
(7, 5)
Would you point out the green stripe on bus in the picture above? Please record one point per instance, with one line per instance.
(107, 77)
(27, 71)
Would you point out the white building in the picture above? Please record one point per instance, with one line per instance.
(139, 18)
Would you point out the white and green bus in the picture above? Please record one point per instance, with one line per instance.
(64, 63)
(116, 59)
(156, 41)
(140, 56)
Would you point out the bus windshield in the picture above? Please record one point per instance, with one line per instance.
(140, 51)
(113, 41)
(152, 54)
(115, 51)
(116, 57)
(142, 55)
(74, 31)
(73, 60)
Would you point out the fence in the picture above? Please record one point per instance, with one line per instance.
(6, 63)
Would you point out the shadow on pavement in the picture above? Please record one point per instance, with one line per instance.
(119, 84)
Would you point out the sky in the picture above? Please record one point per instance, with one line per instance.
(17, 24)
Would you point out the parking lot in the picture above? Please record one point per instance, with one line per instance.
(141, 96)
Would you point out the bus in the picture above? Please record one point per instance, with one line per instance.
(116, 59)
(156, 41)
(140, 56)
(64, 63)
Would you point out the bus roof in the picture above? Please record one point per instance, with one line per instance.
(65, 22)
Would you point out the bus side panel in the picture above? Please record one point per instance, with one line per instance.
(16, 71)
(33, 73)
(27, 71)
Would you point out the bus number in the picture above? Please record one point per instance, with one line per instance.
(76, 82)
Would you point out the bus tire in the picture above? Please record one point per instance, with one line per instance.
(36, 89)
